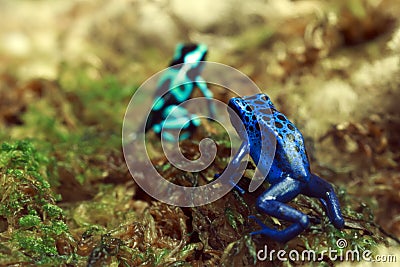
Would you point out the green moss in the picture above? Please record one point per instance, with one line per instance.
(29, 221)
(107, 98)
(34, 221)
(23, 178)
(52, 211)
(37, 247)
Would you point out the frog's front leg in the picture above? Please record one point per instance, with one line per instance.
(272, 202)
(177, 118)
(202, 84)
(235, 163)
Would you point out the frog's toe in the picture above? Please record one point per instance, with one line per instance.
(258, 221)
(314, 220)
(238, 188)
(281, 236)
(265, 231)
(338, 222)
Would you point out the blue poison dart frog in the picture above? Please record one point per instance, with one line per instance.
(288, 172)
(184, 71)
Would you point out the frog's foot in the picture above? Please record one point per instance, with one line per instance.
(178, 125)
(272, 202)
(171, 137)
(286, 212)
(282, 236)
(265, 229)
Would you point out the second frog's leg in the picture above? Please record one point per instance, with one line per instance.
(272, 202)
(202, 84)
(177, 119)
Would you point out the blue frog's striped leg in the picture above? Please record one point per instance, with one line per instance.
(273, 202)
(234, 165)
(177, 119)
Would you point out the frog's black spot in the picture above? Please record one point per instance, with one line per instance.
(278, 125)
(297, 149)
(258, 126)
(253, 117)
(290, 126)
(251, 128)
(280, 135)
(246, 118)
(248, 108)
(281, 117)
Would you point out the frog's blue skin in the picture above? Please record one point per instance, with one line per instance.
(289, 174)
(168, 96)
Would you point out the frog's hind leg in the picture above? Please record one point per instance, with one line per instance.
(272, 202)
(178, 119)
(319, 188)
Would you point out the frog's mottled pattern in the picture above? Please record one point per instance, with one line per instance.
(175, 87)
(289, 174)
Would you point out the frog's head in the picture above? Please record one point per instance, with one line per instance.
(189, 53)
(240, 113)
(248, 110)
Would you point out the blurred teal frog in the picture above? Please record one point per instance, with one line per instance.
(176, 86)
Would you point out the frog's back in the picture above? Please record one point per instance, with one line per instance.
(274, 130)
(290, 155)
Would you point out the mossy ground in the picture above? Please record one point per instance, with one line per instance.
(67, 197)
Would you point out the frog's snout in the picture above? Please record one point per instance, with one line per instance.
(234, 104)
